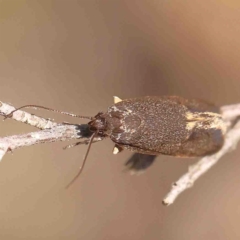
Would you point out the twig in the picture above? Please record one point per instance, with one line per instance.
(230, 114)
(57, 133)
(25, 117)
(51, 131)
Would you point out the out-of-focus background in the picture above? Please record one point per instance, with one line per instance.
(74, 56)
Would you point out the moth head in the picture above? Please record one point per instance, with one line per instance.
(98, 123)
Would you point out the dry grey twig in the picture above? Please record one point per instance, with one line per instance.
(49, 131)
(230, 114)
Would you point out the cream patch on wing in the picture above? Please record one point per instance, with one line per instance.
(205, 120)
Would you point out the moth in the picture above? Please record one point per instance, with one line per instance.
(152, 125)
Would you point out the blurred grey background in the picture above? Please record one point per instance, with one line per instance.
(74, 55)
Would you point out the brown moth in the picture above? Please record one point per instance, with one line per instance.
(167, 125)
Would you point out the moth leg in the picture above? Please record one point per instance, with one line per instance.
(116, 99)
(86, 142)
(75, 144)
(117, 149)
(139, 162)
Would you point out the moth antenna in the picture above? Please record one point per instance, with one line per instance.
(46, 108)
(84, 160)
